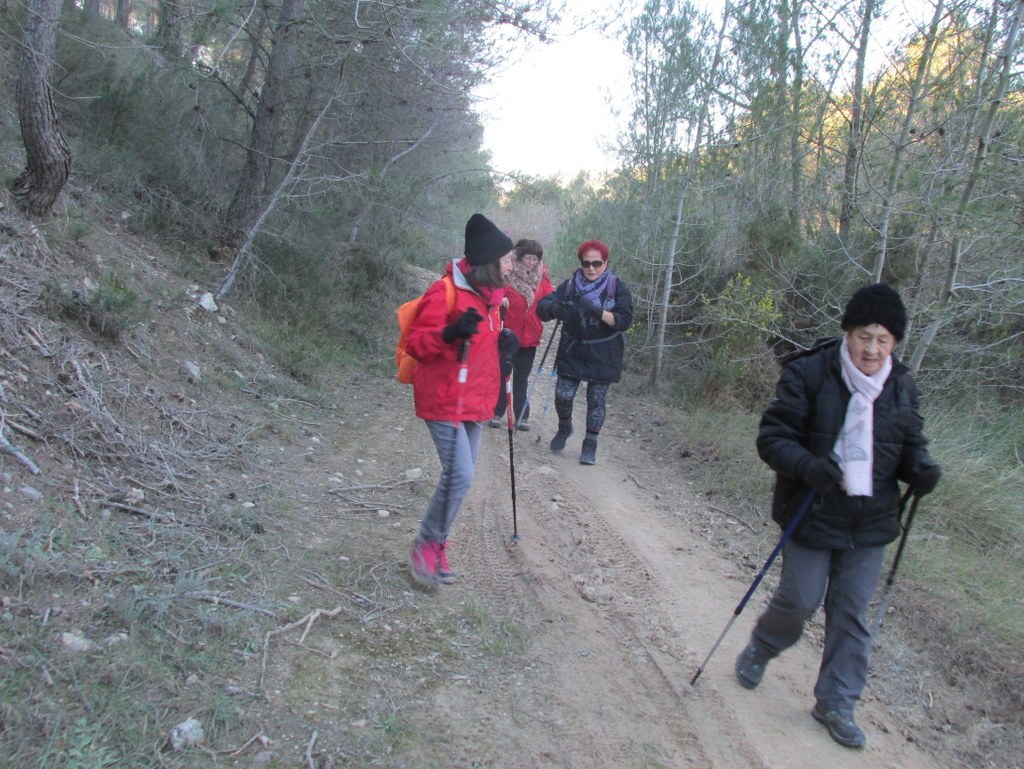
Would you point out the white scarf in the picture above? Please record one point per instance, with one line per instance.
(855, 445)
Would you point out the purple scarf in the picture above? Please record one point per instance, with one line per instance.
(584, 288)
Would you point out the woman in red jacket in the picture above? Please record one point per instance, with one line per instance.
(457, 370)
(527, 285)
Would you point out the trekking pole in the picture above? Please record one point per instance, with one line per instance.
(884, 603)
(551, 381)
(540, 368)
(793, 523)
(511, 429)
(511, 452)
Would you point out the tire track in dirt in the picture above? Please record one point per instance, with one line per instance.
(594, 626)
(626, 604)
(620, 601)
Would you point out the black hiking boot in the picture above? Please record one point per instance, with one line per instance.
(841, 727)
(564, 431)
(589, 454)
(750, 665)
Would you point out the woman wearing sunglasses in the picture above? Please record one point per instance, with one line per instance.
(595, 307)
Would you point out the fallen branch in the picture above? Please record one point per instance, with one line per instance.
(8, 448)
(78, 502)
(27, 432)
(261, 738)
(216, 600)
(36, 340)
(308, 621)
(309, 750)
(735, 518)
(138, 511)
(640, 485)
(366, 486)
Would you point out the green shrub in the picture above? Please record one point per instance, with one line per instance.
(109, 308)
(739, 366)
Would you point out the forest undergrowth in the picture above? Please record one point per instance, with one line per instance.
(147, 553)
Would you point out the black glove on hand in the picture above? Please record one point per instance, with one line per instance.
(592, 305)
(926, 480)
(463, 327)
(561, 310)
(822, 475)
(508, 343)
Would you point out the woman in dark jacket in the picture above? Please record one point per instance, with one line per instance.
(595, 307)
(844, 427)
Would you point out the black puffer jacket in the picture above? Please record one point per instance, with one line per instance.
(803, 421)
(588, 349)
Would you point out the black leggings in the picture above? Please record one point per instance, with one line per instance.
(522, 364)
(597, 395)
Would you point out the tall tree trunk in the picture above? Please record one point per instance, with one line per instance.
(244, 252)
(960, 219)
(48, 155)
(691, 164)
(796, 109)
(251, 192)
(849, 201)
(170, 28)
(903, 141)
(123, 14)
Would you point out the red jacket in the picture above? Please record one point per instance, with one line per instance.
(435, 378)
(523, 320)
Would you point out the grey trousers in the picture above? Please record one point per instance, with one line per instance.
(845, 580)
(456, 476)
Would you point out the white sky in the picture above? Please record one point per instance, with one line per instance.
(567, 82)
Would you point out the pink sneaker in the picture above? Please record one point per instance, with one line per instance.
(423, 563)
(445, 575)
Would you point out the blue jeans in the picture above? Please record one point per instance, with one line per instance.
(845, 580)
(458, 445)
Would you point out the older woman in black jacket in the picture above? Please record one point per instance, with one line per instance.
(844, 427)
(595, 307)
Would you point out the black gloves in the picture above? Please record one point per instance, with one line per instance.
(561, 310)
(822, 475)
(508, 343)
(463, 327)
(926, 480)
(592, 305)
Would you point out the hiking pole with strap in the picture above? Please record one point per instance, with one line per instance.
(511, 429)
(793, 523)
(550, 382)
(511, 452)
(540, 368)
(884, 603)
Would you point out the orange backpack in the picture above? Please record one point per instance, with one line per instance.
(406, 313)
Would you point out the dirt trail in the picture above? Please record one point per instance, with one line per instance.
(621, 603)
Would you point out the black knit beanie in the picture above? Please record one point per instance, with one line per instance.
(878, 303)
(485, 243)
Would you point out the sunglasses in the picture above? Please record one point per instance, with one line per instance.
(595, 264)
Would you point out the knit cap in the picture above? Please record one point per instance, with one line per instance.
(877, 303)
(485, 243)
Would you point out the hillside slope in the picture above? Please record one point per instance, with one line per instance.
(229, 546)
